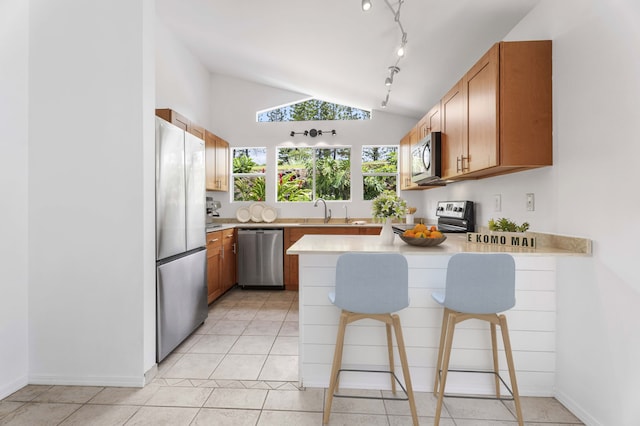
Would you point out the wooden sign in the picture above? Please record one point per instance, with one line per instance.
(512, 239)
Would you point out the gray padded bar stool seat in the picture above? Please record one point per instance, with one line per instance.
(478, 286)
(371, 285)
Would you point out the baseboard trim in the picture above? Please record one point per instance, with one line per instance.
(15, 385)
(577, 410)
(115, 381)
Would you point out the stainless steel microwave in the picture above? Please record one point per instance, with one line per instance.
(425, 160)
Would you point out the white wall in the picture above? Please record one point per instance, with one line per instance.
(591, 191)
(182, 82)
(90, 194)
(14, 275)
(234, 106)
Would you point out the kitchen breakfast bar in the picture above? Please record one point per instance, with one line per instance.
(532, 322)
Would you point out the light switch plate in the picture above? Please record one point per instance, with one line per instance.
(531, 206)
(497, 203)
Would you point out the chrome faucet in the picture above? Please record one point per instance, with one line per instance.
(326, 218)
(346, 214)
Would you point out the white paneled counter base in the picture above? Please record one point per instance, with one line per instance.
(531, 322)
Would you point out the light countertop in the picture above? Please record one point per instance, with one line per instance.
(455, 243)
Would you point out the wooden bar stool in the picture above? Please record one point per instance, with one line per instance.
(478, 286)
(371, 285)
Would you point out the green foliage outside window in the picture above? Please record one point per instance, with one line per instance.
(300, 168)
(314, 110)
(379, 169)
(333, 174)
(249, 174)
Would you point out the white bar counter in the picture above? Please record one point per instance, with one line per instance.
(531, 322)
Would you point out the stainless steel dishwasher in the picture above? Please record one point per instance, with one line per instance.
(260, 258)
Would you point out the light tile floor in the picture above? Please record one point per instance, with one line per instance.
(240, 368)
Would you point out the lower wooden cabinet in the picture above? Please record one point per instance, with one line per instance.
(221, 263)
(291, 235)
(228, 260)
(214, 258)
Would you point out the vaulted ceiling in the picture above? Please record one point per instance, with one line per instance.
(332, 50)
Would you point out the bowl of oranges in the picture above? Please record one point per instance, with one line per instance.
(423, 236)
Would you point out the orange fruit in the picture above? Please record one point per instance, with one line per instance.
(436, 234)
(409, 233)
(420, 227)
(433, 228)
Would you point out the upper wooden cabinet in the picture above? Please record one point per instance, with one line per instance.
(430, 122)
(406, 144)
(181, 121)
(217, 162)
(498, 118)
(454, 137)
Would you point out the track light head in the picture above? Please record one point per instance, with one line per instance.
(333, 133)
(292, 134)
(306, 133)
(388, 81)
(366, 5)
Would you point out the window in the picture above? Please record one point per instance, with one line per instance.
(248, 175)
(306, 174)
(313, 110)
(379, 170)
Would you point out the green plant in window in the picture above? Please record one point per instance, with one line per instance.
(333, 177)
(243, 164)
(374, 185)
(248, 188)
(292, 188)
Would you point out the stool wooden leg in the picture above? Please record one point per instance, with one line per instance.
(451, 325)
(405, 368)
(512, 370)
(496, 368)
(391, 362)
(443, 333)
(335, 368)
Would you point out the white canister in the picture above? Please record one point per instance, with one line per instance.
(408, 218)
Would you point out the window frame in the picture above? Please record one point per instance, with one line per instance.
(313, 174)
(381, 174)
(251, 175)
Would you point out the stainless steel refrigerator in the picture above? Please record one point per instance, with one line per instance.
(181, 261)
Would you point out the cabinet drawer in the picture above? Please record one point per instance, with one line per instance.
(227, 234)
(214, 240)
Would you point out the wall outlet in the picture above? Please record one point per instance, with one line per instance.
(531, 206)
(497, 203)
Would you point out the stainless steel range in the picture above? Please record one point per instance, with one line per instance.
(456, 216)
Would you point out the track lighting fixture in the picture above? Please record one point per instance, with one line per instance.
(389, 81)
(383, 104)
(366, 5)
(313, 133)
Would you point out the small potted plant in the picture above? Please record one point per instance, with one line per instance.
(506, 225)
(385, 207)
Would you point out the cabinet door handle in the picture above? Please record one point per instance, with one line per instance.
(462, 158)
(234, 248)
(214, 240)
(458, 161)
